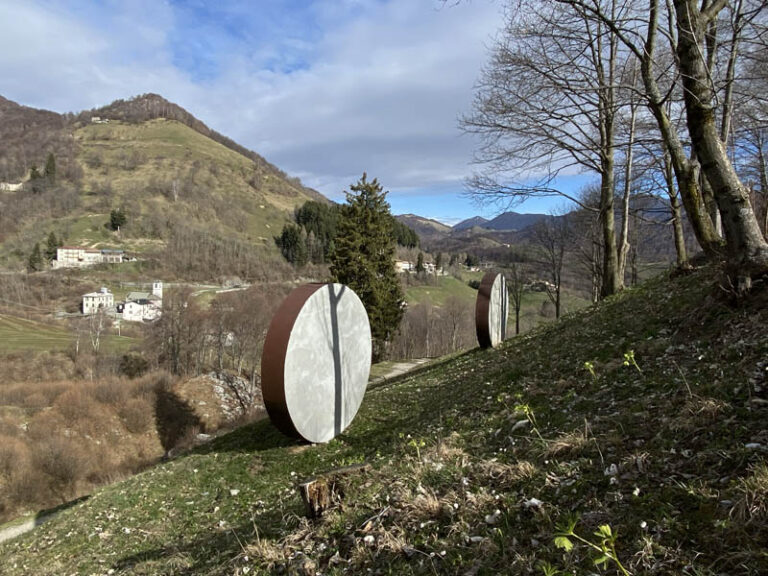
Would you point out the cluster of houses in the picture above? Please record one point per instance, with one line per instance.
(404, 266)
(78, 257)
(137, 307)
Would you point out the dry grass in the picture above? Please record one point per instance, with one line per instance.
(569, 443)
(752, 504)
(506, 474)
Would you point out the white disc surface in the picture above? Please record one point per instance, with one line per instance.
(327, 363)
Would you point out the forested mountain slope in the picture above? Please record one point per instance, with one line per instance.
(642, 420)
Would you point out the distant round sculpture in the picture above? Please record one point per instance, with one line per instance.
(491, 310)
(316, 361)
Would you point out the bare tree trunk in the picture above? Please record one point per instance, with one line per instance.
(677, 214)
(623, 249)
(747, 249)
(686, 171)
(761, 168)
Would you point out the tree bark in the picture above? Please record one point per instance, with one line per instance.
(746, 247)
(686, 172)
(623, 249)
(677, 214)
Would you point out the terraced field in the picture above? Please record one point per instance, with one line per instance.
(21, 334)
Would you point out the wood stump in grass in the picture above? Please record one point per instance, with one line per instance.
(325, 491)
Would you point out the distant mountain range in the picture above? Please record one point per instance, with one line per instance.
(506, 222)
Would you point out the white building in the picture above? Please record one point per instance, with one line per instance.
(402, 266)
(144, 306)
(103, 299)
(78, 257)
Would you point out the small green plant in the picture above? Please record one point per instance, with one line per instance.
(548, 570)
(527, 411)
(590, 366)
(417, 443)
(605, 545)
(629, 360)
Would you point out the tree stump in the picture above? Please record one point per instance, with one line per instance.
(325, 490)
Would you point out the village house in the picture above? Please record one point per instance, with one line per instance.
(11, 186)
(403, 266)
(78, 257)
(93, 301)
(144, 306)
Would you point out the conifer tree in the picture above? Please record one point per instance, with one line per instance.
(51, 245)
(35, 260)
(364, 259)
(420, 263)
(50, 169)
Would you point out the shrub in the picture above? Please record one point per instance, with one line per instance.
(64, 462)
(13, 454)
(133, 365)
(111, 392)
(75, 405)
(137, 415)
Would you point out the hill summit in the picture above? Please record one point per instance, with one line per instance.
(179, 183)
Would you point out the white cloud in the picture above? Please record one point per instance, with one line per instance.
(380, 87)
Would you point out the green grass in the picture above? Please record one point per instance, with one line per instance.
(460, 450)
(18, 334)
(447, 287)
(530, 312)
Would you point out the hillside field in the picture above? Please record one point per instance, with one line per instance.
(631, 435)
(18, 334)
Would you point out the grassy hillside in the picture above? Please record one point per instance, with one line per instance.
(450, 287)
(179, 183)
(21, 334)
(164, 169)
(647, 414)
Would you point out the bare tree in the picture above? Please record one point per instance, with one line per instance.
(515, 283)
(747, 248)
(548, 102)
(551, 235)
(692, 34)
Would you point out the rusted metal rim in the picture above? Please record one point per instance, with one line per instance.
(274, 354)
(483, 310)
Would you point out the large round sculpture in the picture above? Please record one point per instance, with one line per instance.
(491, 310)
(316, 361)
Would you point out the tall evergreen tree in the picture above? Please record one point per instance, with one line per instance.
(50, 169)
(117, 219)
(364, 259)
(51, 245)
(35, 260)
(420, 263)
(293, 244)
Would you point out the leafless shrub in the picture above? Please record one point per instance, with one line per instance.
(111, 392)
(25, 487)
(75, 405)
(64, 462)
(13, 454)
(46, 424)
(137, 415)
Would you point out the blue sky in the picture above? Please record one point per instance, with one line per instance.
(323, 89)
